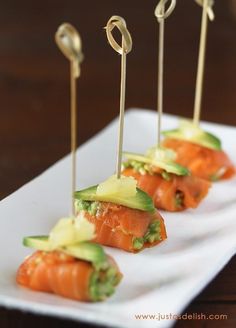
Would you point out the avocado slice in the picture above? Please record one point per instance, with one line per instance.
(87, 251)
(38, 242)
(168, 166)
(140, 201)
(190, 132)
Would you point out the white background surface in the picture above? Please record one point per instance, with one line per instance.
(163, 279)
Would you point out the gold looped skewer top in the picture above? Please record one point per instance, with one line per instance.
(163, 14)
(210, 11)
(69, 42)
(123, 50)
(119, 22)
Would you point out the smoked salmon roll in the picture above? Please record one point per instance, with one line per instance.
(69, 265)
(124, 218)
(173, 194)
(169, 184)
(206, 163)
(200, 151)
(64, 275)
(125, 228)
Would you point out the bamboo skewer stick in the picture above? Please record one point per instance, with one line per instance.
(160, 75)
(69, 42)
(123, 50)
(161, 15)
(207, 12)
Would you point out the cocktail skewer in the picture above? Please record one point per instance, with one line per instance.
(207, 12)
(123, 50)
(69, 42)
(123, 214)
(67, 262)
(161, 14)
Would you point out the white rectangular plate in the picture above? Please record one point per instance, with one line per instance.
(163, 279)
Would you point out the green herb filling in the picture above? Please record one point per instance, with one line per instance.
(139, 167)
(102, 283)
(152, 235)
(179, 198)
(92, 207)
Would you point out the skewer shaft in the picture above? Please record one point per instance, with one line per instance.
(122, 110)
(201, 64)
(69, 42)
(160, 77)
(73, 132)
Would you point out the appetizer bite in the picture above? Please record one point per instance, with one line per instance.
(200, 151)
(170, 185)
(68, 264)
(197, 149)
(124, 215)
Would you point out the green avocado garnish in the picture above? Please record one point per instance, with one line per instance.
(190, 132)
(87, 251)
(140, 201)
(167, 165)
(38, 242)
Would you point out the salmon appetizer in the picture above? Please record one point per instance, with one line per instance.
(68, 267)
(170, 185)
(124, 216)
(200, 151)
(203, 162)
(177, 193)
